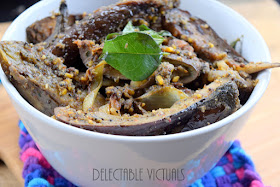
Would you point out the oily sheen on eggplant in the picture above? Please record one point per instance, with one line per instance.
(41, 30)
(200, 79)
(219, 99)
(39, 76)
(205, 41)
(108, 20)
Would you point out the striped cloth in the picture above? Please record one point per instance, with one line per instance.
(234, 169)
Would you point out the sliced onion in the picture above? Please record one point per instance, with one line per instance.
(95, 87)
(193, 66)
(161, 97)
(256, 67)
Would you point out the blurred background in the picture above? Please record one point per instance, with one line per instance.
(12, 8)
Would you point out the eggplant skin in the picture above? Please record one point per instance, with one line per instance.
(34, 94)
(199, 34)
(42, 29)
(108, 20)
(223, 102)
(218, 105)
(33, 72)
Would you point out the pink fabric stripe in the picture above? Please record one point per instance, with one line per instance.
(34, 152)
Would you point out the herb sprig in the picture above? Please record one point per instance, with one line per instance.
(135, 52)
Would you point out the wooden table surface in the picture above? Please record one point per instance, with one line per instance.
(261, 135)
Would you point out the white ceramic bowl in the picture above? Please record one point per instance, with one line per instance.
(75, 153)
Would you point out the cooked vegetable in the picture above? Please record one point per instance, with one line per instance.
(157, 36)
(191, 66)
(95, 87)
(182, 56)
(90, 54)
(136, 55)
(40, 77)
(41, 30)
(109, 20)
(205, 41)
(251, 68)
(161, 97)
(235, 42)
(118, 71)
(209, 105)
(61, 22)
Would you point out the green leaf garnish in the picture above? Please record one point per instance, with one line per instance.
(165, 33)
(135, 54)
(112, 36)
(129, 28)
(157, 36)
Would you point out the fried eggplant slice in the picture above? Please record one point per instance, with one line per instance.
(109, 20)
(40, 77)
(208, 105)
(243, 80)
(61, 23)
(187, 69)
(90, 54)
(187, 66)
(251, 67)
(182, 56)
(161, 97)
(205, 41)
(222, 103)
(41, 30)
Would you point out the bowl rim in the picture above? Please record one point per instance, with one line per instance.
(16, 97)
